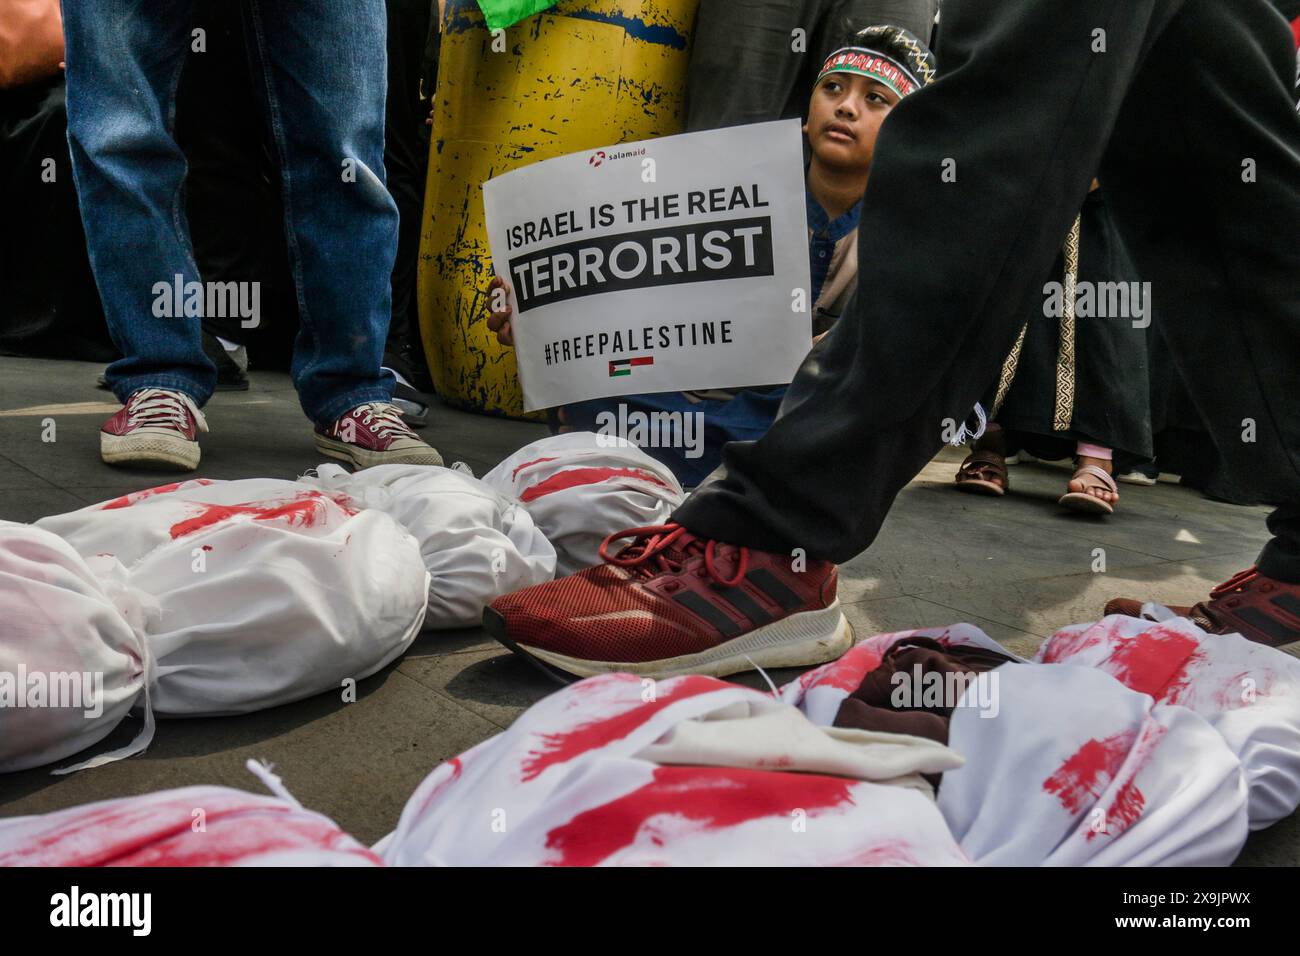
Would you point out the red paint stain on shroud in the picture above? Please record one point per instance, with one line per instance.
(561, 747)
(712, 797)
(305, 511)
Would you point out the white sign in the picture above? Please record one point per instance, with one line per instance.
(668, 264)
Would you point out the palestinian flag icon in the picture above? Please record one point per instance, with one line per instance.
(624, 366)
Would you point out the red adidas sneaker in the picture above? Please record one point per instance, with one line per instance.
(374, 434)
(1259, 608)
(674, 603)
(155, 428)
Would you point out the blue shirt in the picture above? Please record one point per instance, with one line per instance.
(825, 234)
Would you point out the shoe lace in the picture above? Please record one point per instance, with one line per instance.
(660, 548)
(1237, 582)
(158, 406)
(384, 419)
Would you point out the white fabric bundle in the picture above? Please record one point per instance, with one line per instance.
(477, 544)
(269, 591)
(604, 772)
(1074, 767)
(131, 526)
(192, 826)
(1077, 769)
(73, 658)
(820, 691)
(760, 734)
(1248, 692)
(581, 487)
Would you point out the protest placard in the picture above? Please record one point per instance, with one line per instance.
(667, 264)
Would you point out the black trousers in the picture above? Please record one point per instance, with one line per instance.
(48, 302)
(232, 191)
(1189, 117)
(232, 188)
(406, 160)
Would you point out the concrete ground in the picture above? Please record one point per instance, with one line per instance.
(1017, 567)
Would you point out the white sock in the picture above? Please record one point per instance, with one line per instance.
(399, 376)
(228, 346)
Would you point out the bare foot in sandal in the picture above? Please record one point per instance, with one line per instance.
(984, 472)
(1092, 490)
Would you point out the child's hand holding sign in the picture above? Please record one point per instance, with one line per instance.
(499, 311)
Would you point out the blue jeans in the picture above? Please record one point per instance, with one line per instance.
(321, 76)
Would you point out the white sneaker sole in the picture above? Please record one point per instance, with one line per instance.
(362, 458)
(155, 449)
(810, 637)
(1136, 478)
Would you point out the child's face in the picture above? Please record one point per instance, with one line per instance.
(844, 119)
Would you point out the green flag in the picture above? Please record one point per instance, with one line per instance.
(506, 13)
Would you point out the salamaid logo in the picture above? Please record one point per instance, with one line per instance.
(600, 156)
(103, 909)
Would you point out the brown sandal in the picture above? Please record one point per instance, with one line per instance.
(1085, 501)
(983, 473)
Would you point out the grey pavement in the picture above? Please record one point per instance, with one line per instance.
(1018, 567)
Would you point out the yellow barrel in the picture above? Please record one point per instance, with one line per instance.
(585, 73)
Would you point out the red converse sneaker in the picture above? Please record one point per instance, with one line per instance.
(674, 603)
(157, 427)
(374, 434)
(1258, 608)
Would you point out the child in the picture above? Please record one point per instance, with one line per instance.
(857, 88)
